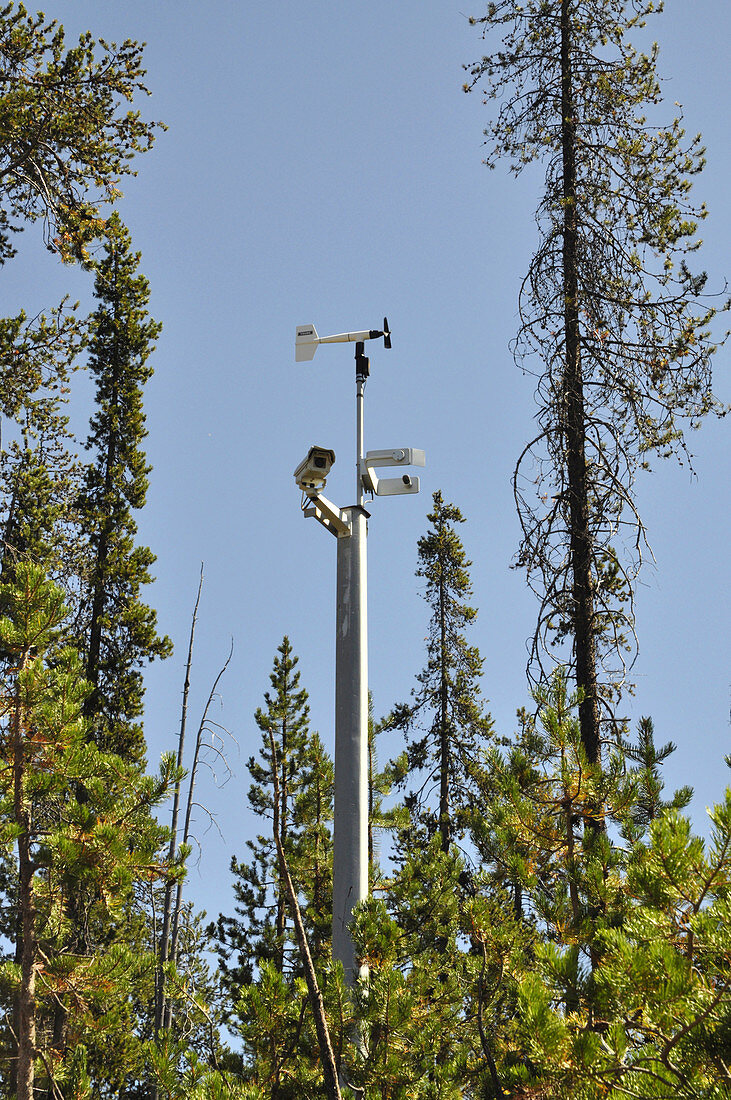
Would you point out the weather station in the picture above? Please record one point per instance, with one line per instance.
(349, 525)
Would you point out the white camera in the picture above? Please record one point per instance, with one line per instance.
(391, 486)
(313, 470)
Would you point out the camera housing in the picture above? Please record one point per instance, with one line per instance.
(311, 474)
(391, 486)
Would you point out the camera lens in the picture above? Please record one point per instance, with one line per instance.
(319, 462)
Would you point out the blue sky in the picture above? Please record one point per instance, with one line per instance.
(323, 164)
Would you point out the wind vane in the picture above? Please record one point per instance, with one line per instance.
(307, 340)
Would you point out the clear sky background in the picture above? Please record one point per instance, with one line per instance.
(323, 164)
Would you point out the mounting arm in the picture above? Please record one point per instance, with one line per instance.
(328, 514)
(391, 486)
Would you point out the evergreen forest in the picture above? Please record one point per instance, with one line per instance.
(544, 920)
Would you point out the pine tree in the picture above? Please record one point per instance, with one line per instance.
(39, 475)
(447, 705)
(440, 959)
(415, 1038)
(38, 472)
(661, 989)
(67, 139)
(38, 467)
(609, 308)
(68, 135)
(119, 632)
(261, 930)
(74, 857)
(573, 888)
(648, 801)
(268, 978)
(311, 844)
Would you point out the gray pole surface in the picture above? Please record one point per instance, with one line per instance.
(350, 840)
(350, 831)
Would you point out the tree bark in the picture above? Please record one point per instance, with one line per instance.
(93, 658)
(574, 421)
(178, 903)
(329, 1067)
(168, 900)
(26, 1002)
(281, 833)
(444, 829)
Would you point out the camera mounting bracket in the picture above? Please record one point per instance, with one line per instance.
(332, 518)
(391, 486)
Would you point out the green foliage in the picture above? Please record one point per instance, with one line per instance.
(603, 916)
(311, 852)
(278, 1033)
(648, 800)
(574, 957)
(179, 1074)
(66, 138)
(80, 822)
(117, 631)
(547, 925)
(396, 1023)
(261, 930)
(78, 830)
(422, 1019)
(381, 782)
(447, 709)
(68, 135)
(38, 469)
(188, 1043)
(663, 996)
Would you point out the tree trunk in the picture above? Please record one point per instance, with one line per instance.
(574, 423)
(444, 829)
(26, 1003)
(371, 799)
(168, 901)
(281, 917)
(178, 903)
(317, 1005)
(100, 565)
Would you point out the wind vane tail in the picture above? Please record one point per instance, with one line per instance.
(305, 344)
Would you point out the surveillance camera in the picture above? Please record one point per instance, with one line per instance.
(313, 470)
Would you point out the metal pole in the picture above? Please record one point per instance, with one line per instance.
(360, 453)
(350, 839)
